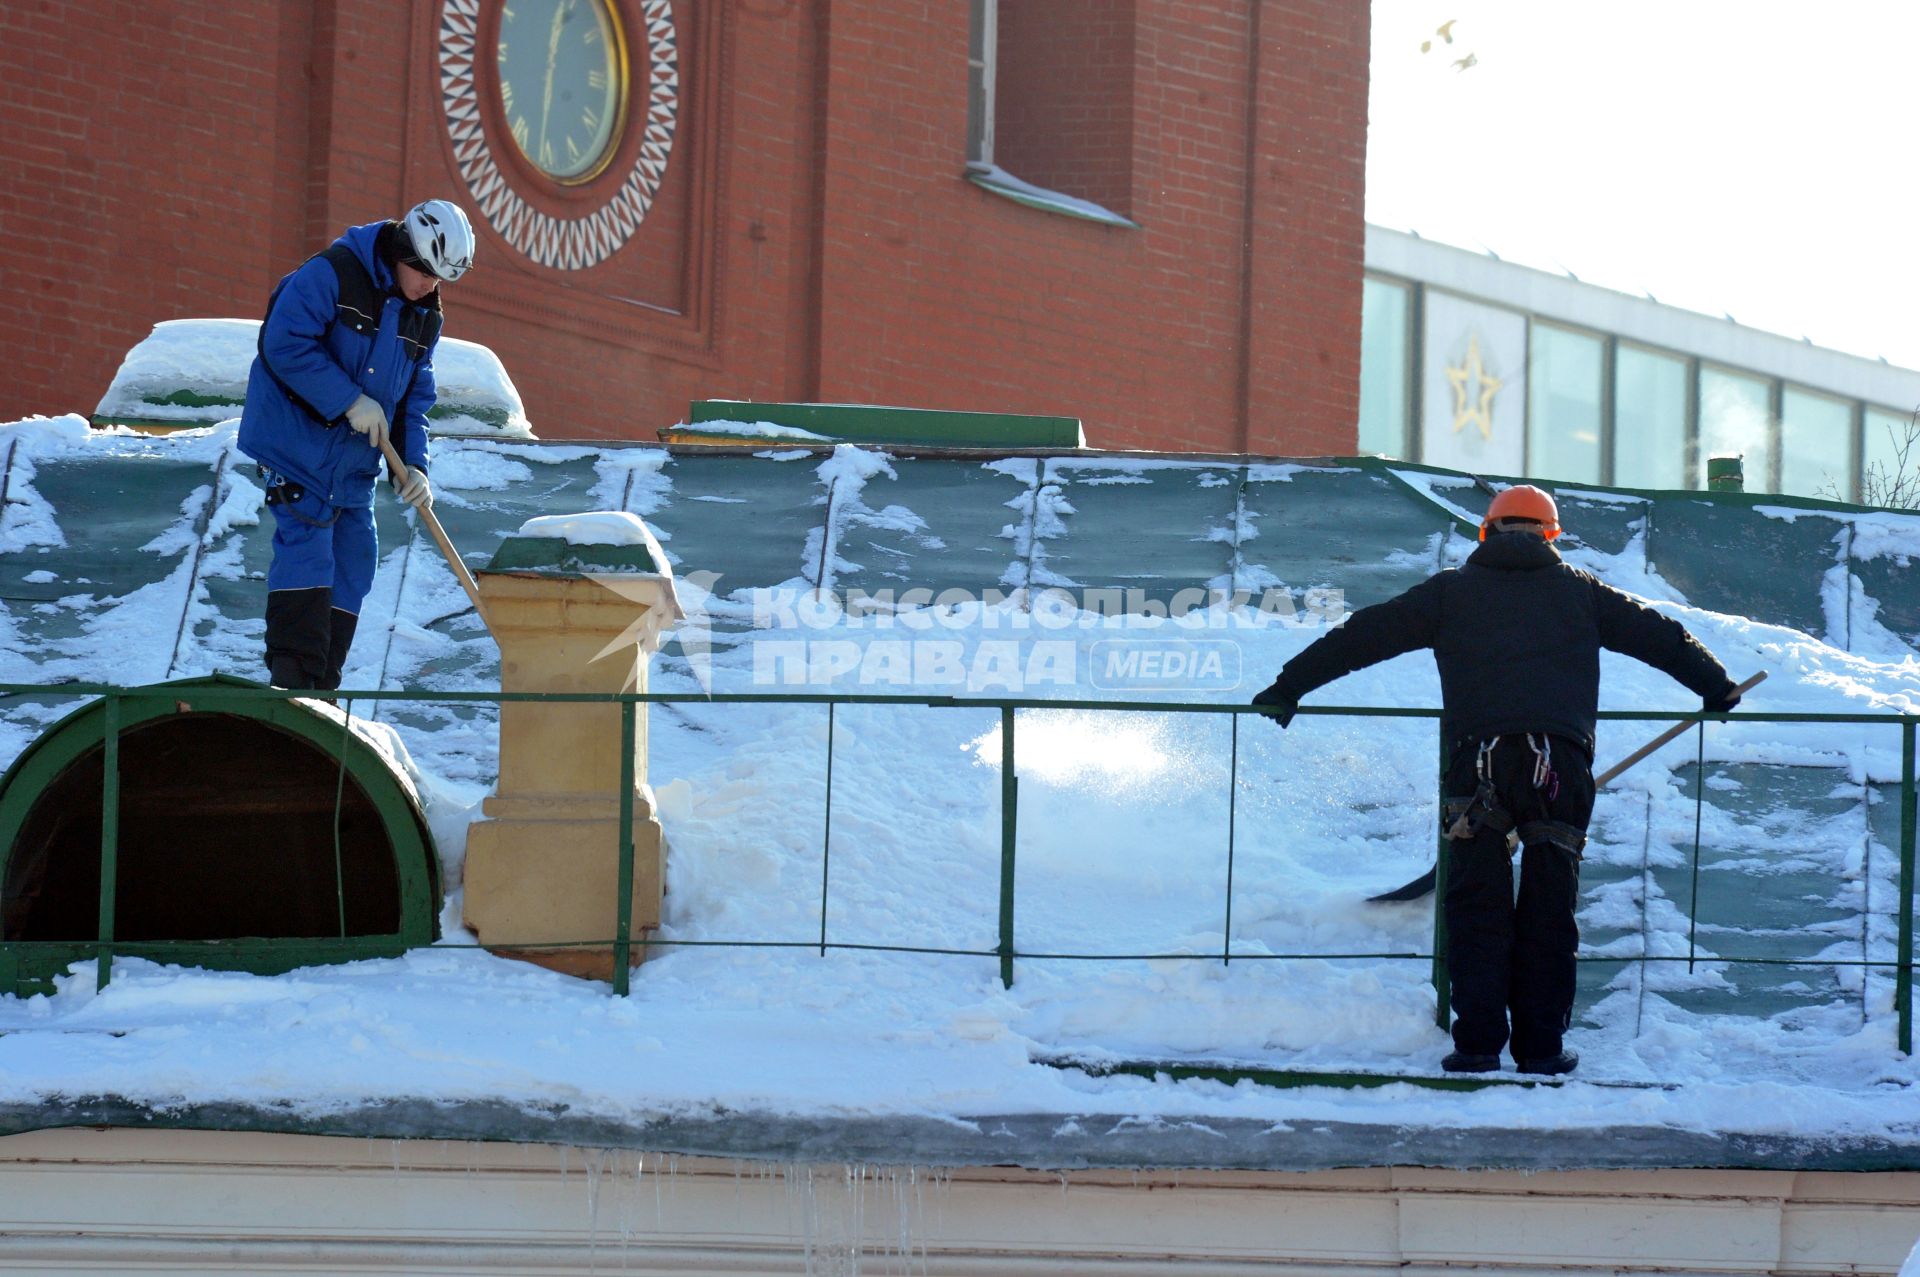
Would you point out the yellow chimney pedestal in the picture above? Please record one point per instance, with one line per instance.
(542, 866)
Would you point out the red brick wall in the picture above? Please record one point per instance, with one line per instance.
(1308, 228)
(814, 237)
(1063, 97)
(1229, 320)
(144, 150)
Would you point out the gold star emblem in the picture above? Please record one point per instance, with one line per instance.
(1486, 386)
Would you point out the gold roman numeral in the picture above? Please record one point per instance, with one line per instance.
(546, 153)
(597, 79)
(503, 51)
(521, 132)
(591, 120)
(592, 36)
(573, 152)
(506, 95)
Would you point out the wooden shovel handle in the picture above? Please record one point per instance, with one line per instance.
(397, 467)
(1670, 734)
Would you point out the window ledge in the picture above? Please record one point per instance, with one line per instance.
(1002, 183)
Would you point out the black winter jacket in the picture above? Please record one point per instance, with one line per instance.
(1517, 635)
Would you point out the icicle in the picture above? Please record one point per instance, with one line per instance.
(593, 1166)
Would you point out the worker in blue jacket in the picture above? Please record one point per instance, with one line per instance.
(345, 365)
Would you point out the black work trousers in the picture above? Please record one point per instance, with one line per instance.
(1511, 956)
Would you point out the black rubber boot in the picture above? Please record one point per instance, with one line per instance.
(297, 642)
(1469, 1062)
(339, 642)
(288, 672)
(1565, 1062)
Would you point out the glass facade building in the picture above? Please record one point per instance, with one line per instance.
(1483, 365)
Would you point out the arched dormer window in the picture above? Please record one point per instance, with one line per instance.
(253, 834)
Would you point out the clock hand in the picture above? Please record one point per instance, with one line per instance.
(553, 55)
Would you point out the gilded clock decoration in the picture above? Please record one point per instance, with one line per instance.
(1485, 387)
(565, 90)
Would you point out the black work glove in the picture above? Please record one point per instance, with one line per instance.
(1722, 701)
(1280, 702)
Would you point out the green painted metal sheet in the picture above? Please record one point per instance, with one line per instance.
(1891, 586)
(1724, 556)
(1774, 883)
(935, 525)
(752, 519)
(555, 556)
(1788, 874)
(864, 423)
(1351, 530)
(1602, 523)
(109, 510)
(1154, 530)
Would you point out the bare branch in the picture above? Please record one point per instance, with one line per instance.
(1896, 485)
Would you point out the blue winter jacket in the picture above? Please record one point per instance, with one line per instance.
(313, 350)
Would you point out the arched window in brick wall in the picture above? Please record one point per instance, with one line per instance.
(1050, 95)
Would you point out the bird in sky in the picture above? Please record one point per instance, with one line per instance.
(1444, 31)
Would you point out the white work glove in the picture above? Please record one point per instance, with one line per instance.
(414, 489)
(366, 416)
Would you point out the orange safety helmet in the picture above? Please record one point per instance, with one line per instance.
(1524, 501)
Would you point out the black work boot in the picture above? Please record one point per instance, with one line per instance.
(339, 641)
(297, 623)
(1552, 1065)
(1469, 1062)
(287, 671)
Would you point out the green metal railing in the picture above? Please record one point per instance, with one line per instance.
(623, 941)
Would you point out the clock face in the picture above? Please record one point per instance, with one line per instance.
(563, 84)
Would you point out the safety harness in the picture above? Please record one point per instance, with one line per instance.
(1467, 817)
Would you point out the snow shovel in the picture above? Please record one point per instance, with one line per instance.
(1424, 883)
(398, 467)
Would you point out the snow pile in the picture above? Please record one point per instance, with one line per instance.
(475, 395)
(194, 372)
(754, 431)
(605, 527)
(26, 518)
(595, 527)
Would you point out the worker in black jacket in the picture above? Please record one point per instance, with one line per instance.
(1517, 636)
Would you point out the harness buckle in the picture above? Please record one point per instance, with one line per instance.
(283, 491)
(1482, 811)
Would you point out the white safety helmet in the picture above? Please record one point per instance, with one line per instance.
(442, 239)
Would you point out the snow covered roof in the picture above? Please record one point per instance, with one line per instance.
(135, 559)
